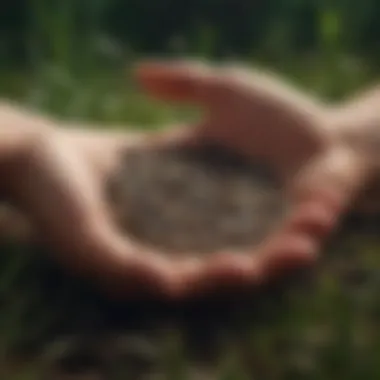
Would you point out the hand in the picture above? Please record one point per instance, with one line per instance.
(59, 181)
(262, 117)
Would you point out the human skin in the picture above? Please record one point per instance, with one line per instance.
(57, 176)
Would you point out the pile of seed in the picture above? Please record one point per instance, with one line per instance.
(195, 200)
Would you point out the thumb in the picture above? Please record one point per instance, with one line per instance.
(190, 82)
(197, 82)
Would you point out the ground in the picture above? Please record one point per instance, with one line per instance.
(316, 324)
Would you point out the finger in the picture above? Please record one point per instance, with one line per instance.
(227, 270)
(197, 82)
(334, 179)
(233, 270)
(235, 98)
(258, 266)
(315, 218)
(324, 194)
(298, 242)
(220, 271)
(190, 82)
(294, 246)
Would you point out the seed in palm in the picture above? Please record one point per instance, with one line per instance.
(199, 199)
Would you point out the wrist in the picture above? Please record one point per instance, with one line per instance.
(18, 129)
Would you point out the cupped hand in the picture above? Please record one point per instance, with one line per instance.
(60, 179)
(262, 117)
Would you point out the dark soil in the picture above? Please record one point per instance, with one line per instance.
(196, 200)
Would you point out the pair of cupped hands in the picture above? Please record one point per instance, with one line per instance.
(325, 156)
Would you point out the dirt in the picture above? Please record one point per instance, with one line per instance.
(196, 200)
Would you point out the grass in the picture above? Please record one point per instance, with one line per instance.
(321, 325)
(328, 331)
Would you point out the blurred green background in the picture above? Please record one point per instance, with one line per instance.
(72, 59)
